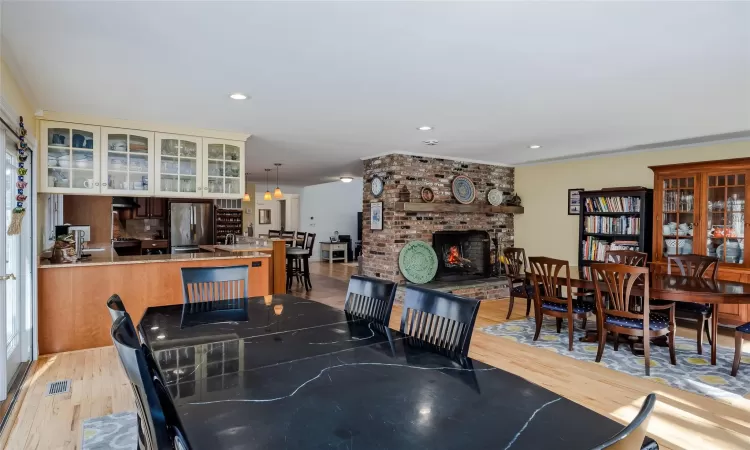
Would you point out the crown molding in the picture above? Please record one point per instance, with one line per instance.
(432, 155)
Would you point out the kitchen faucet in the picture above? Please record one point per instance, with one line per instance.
(234, 239)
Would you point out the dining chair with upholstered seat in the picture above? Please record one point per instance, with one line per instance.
(159, 425)
(438, 318)
(516, 264)
(617, 314)
(370, 298)
(206, 284)
(548, 299)
(633, 436)
(739, 333)
(627, 257)
(116, 307)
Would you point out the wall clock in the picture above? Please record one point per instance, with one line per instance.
(376, 186)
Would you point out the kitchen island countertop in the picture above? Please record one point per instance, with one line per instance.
(108, 258)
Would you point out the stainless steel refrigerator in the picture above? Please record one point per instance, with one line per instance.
(191, 226)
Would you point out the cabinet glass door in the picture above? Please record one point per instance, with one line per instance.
(72, 157)
(128, 162)
(223, 170)
(179, 166)
(726, 217)
(678, 215)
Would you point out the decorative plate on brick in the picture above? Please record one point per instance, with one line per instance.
(427, 195)
(418, 262)
(495, 197)
(463, 189)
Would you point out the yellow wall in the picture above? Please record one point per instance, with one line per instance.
(12, 93)
(546, 229)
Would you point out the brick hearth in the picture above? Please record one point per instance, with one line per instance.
(380, 249)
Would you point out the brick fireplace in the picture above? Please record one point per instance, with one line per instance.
(404, 176)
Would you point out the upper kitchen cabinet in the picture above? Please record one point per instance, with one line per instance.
(70, 158)
(224, 162)
(179, 166)
(128, 162)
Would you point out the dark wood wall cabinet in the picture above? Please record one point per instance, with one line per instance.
(151, 208)
(699, 208)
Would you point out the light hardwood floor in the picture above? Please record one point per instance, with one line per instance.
(681, 419)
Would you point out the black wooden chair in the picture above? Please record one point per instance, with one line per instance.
(444, 320)
(618, 316)
(298, 262)
(291, 235)
(370, 298)
(116, 307)
(548, 300)
(158, 424)
(633, 436)
(207, 284)
(515, 263)
(696, 266)
(739, 333)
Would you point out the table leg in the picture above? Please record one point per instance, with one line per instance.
(714, 331)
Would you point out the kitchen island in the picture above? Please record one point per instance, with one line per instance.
(72, 297)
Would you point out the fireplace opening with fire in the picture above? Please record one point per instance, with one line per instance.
(454, 258)
(462, 255)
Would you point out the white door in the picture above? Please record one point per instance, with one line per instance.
(15, 272)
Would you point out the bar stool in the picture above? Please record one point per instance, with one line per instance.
(297, 263)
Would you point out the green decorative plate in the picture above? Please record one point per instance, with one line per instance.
(418, 262)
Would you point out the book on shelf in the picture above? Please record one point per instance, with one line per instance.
(612, 225)
(613, 204)
(594, 249)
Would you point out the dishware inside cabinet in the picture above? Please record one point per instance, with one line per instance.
(678, 215)
(725, 226)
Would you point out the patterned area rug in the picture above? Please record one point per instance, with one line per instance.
(693, 372)
(115, 431)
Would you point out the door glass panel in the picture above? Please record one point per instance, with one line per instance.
(232, 186)
(82, 139)
(215, 185)
(169, 147)
(678, 212)
(58, 157)
(232, 169)
(215, 168)
(189, 149)
(215, 151)
(726, 218)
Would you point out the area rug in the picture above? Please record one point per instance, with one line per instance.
(115, 431)
(693, 372)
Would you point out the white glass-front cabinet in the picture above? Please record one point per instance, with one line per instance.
(128, 162)
(178, 166)
(223, 175)
(70, 159)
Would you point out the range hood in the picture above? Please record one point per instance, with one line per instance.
(124, 202)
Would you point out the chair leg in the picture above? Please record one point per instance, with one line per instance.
(558, 321)
(571, 326)
(670, 341)
(510, 306)
(306, 265)
(528, 305)
(584, 321)
(647, 353)
(699, 338)
(708, 331)
(602, 342)
(538, 320)
(617, 340)
(737, 352)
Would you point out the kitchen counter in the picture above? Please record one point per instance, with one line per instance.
(107, 258)
(237, 248)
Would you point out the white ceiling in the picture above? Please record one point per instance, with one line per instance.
(334, 82)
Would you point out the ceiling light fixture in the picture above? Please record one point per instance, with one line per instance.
(347, 179)
(431, 142)
(267, 195)
(535, 146)
(246, 197)
(424, 128)
(237, 96)
(277, 193)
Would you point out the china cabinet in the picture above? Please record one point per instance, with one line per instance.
(224, 162)
(699, 208)
(69, 159)
(127, 162)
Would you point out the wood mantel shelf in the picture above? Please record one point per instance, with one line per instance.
(457, 207)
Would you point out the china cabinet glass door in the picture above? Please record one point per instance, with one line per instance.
(128, 161)
(223, 163)
(678, 215)
(725, 225)
(70, 158)
(178, 165)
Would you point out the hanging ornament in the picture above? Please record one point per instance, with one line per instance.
(19, 211)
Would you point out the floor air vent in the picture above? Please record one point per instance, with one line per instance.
(58, 387)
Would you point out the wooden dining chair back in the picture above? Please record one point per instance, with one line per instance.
(206, 284)
(441, 319)
(633, 436)
(550, 277)
(370, 298)
(516, 264)
(116, 307)
(159, 426)
(617, 314)
(627, 257)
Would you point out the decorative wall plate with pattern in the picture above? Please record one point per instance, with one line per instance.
(418, 262)
(495, 197)
(463, 189)
(427, 195)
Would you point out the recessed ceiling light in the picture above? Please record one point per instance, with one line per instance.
(535, 146)
(238, 96)
(431, 142)
(347, 179)
(424, 128)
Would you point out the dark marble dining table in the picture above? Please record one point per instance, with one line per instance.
(284, 372)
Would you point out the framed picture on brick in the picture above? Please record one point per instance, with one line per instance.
(376, 216)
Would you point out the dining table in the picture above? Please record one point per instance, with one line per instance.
(672, 287)
(285, 372)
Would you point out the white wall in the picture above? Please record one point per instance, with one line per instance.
(330, 207)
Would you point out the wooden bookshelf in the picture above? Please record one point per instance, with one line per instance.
(621, 210)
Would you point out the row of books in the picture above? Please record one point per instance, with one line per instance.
(612, 204)
(595, 249)
(612, 225)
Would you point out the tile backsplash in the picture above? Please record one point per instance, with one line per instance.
(136, 228)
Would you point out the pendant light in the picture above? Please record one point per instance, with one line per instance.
(267, 195)
(277, 193)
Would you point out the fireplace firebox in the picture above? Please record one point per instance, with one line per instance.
(462, 255)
